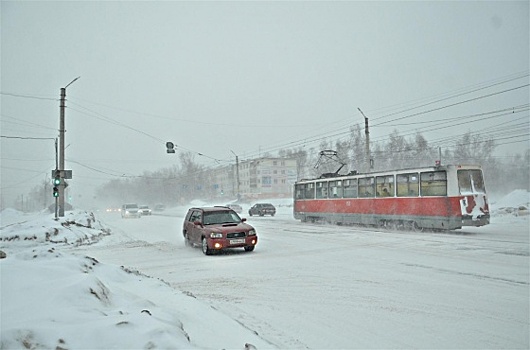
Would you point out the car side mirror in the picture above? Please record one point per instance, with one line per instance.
(243, 219)
(197, 223)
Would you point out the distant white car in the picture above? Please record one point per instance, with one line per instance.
(130, 211)
(235, 207)
(144, 210)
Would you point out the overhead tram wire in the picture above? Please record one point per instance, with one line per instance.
(26, 138)
(195, 121)
(173, 119)
(112, 121)
(480, 116)
(321, 138)
(454, 94)
(158, 116)
(333, 133)
(493, 130)
(452, 105)
(24, 123)
(115, 122)
(465, 92)
(29, 96)
(499, 81)
(450, 119)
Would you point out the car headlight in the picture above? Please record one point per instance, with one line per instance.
(252, 232)
(216, 235)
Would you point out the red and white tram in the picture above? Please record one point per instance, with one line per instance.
(438, 197)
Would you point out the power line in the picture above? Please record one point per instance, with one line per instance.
(27, 138)
(519, 76)
(453, 104)
(194, 121)
(24, 122)
(115, 122)
(28, 96)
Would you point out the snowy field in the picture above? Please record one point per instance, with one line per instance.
(96, 281)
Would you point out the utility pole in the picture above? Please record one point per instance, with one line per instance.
(237, 174)
(368, 164)
(62, 143)
(56, 168)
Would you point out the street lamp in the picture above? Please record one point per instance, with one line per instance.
(237, 174)
(61, 146)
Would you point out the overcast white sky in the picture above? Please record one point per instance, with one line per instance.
(249, 77)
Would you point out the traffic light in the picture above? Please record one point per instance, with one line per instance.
(56, 182)
(170, 147)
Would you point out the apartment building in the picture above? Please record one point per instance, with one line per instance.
(259, 178)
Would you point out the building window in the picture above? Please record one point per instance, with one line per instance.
(266, 181)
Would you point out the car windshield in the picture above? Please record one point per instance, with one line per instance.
(221, 217)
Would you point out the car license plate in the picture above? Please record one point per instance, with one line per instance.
(237, 241)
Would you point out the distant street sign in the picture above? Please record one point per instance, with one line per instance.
(64, 174)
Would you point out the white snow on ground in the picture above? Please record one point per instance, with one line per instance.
(515, 203)
(54, 299)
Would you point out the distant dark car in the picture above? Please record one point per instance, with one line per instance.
(262, 209)
(144, 210)
(217, 228)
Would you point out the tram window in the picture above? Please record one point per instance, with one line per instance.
(366, 187)
(309, 191)
(322, 190)
(434, 183)
(407, 185)
(385, 186)
(299, 191)
(470, 181)
(335, 189)
(350, 188)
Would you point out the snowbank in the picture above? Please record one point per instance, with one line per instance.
(52, 299)
(515, 203)
(34, 229)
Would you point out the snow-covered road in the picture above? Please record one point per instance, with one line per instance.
(322, 286)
